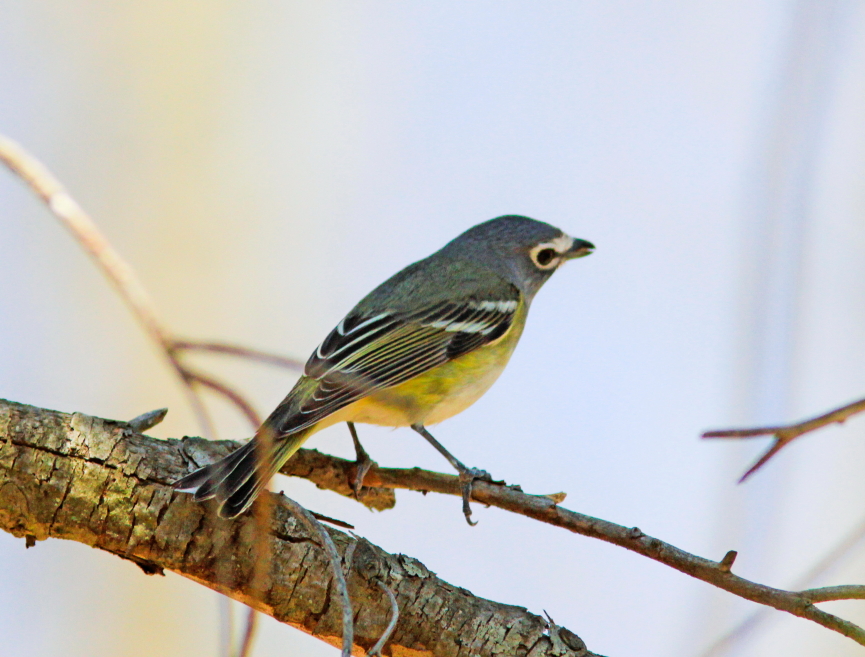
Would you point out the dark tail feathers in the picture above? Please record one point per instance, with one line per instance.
(237, 479)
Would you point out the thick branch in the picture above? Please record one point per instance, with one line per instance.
(99, 483)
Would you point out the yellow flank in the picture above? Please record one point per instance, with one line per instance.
(438, 394)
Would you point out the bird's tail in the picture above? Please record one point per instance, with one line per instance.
(236, 480)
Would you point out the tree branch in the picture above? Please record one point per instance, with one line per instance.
(332, 473)
(786, 434)
(827, 593)
(124, 279)
(99, 483)
(155, 463)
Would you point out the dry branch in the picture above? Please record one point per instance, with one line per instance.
(99, 483)
(332, 473)
(786, 434)
(124, 279)
(130, 289)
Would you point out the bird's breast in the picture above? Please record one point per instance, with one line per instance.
(439, 393)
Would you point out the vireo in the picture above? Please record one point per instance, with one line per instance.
(420, 348)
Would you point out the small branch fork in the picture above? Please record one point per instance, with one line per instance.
(130, 288)
(786, 434)
(127, 284)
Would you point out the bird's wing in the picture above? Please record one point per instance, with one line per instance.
(374, 350)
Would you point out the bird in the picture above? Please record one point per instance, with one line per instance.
(420, 348)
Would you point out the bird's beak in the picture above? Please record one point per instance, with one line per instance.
(579, 249)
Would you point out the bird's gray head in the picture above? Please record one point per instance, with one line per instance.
(524, 251)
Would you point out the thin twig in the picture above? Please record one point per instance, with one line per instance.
(391, 626)
(147, 421)
(64, 207)
(248, 633)
(229, 393)
(543, 509)
(336, 564)
(131, 290)
(241, 352)
(828, 593)
(841, 550)
(115, 268)
(786, 434)
(128, 286)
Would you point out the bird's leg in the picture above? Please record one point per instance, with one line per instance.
(467, 475)
(362, 462)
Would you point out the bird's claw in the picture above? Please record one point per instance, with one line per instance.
(363, 464)
(467, 479)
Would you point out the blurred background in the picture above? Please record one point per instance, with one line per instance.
(263, 165)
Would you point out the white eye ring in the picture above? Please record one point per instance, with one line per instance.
(545, 256)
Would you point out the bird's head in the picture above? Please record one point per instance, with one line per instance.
(525, 251)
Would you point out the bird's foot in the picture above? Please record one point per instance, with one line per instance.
(362, 465)
(468, 476)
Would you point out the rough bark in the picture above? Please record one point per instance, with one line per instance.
(97, 482)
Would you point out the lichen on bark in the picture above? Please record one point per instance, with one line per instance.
(95, 481)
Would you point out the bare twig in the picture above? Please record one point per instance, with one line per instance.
(827, 593)
(228, 393)
(338, 575)
(727, 562)
(241, 352)
(248, 633)
(786, 434)
(118, 271)
(391, 625)
(64, 207)
(333, 473)
(130, 288)
(843, 549)
(147, 421)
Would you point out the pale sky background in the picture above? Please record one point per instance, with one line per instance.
(264, 164)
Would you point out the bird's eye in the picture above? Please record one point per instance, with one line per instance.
(544, 257)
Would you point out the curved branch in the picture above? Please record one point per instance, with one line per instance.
(786, 434)
(241, 352)
(131, 290)
(842, 550)
(115, 268)
(99, 483)
(334, 474)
